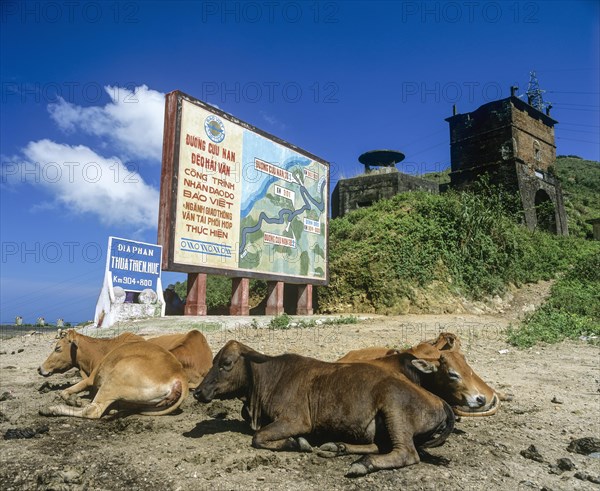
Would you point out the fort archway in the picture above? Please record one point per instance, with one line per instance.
(545, 212)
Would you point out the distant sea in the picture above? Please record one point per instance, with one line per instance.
(8, 331)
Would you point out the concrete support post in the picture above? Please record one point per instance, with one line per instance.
(274, 298)
(305, 295)
(239, 296)
(196, 294)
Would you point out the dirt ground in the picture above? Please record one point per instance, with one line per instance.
(556, 399)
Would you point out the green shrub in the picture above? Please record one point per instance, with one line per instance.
(571, 311)
(280, 322)
(551, 326)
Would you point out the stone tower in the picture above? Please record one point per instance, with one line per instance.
(513, 143)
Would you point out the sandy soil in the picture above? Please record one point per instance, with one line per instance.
(556, 399)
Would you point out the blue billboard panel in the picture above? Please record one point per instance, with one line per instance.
(134, 266)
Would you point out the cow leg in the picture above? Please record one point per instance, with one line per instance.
(75, 389)
(91, 411)
(403, 450)
(349, 448)
(398, 457)
(341, 448)
(94, 410)
(279, 436)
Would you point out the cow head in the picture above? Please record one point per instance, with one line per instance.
(450, 377)
(229, 376)
(63, 357)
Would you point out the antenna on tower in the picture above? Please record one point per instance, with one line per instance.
(534, 93)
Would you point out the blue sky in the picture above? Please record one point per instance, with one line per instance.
(83, 87)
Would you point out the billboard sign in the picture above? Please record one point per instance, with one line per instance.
(237, 201)
(134, 266)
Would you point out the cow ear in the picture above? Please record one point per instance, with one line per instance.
(424, 366)
(255, 356)
(70, 335)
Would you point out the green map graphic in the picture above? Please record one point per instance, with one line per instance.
(294, 209)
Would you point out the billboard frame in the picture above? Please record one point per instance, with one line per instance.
(169, 187)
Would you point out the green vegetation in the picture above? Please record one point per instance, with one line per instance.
(280, 322)
(572, 311)
(580, 180)
(218, 292)
(284, 321)
(341, 320)
(441, 177)
(463, 244)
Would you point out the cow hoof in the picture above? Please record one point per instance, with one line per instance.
(74, 401)
(47, 411)
(357, 469)
(326, 454)
(303, 445)
(329, 447)
(335, 448)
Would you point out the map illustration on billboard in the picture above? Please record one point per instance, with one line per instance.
(237, 201)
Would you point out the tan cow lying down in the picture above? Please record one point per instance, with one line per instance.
(440, 367)
(191, 349)
(363, 405)
(138, 374)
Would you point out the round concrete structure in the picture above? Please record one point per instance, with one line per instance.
(381, 158)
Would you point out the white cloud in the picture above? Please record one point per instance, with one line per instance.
(272, 120)
(133, 120)
(86, 183)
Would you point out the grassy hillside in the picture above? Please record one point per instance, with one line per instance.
(388, 257)
(572, 311)
(580, 181)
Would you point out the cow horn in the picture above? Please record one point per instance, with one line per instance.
(59, 334)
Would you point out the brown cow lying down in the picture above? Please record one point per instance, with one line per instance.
(441, 368)
(191, 349)
(137, 374)
(365, 406)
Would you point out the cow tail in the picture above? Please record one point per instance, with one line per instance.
(438, 436)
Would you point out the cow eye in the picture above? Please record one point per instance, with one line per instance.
(57, 349)
(453, 375)
(227, 364)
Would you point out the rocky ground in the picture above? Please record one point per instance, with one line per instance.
(556, 400)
